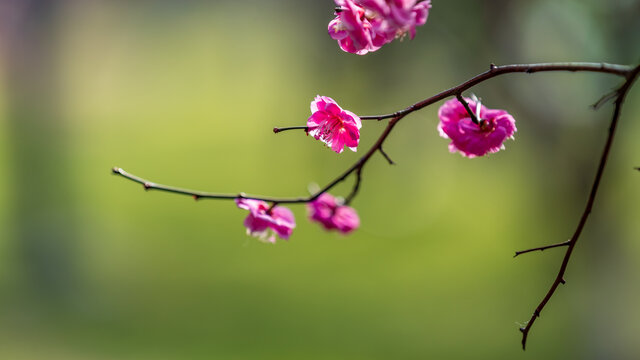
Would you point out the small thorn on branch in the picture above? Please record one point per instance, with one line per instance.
(492, 66)
(562, 281)
(147, 185)
(196, 197)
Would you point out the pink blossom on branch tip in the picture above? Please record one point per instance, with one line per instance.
(333, 125)
(264, 224)
(471, 139)
(327, 211)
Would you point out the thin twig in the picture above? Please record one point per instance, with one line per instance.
(473, 116)
(386, 156)
(356, 186)
(379, 117)
(631, 77)
(281, 129)
(604, 99)
(542, 248)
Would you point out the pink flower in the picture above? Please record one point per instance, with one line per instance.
(264, 224)
(326, 210)
(362, 26)
(495, 126)
(351, 28)
(333, 125)
(395, 18)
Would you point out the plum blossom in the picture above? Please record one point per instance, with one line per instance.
(363, 26)
(265, 224)
(327, 211)
(332, 125)
(351, 28)
(471, 139)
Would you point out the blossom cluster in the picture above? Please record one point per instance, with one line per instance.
(363, 26)
(266, 222)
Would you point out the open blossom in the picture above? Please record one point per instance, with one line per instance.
(327, 211)
(265, 224)
(332, 125)
(362, 26)
(494, 127)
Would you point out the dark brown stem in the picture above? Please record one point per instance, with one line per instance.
(386, 156)
(281, 129)
(622, 92)
(148, 185)
(542, 248)
(464, 103)
(356, 186)
(620, 70)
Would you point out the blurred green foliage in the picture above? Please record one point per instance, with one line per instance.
(186, 93)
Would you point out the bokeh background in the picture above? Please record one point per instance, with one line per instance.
(187, 92)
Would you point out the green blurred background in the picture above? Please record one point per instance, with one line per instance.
(187, 92)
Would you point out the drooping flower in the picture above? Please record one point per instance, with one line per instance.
(332, 125)
(363, 26)
(351, 28)
(327, 211)
(265, 224)
(396, 18)
(471, 139)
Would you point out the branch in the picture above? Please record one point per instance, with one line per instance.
(148, 185)
(542, 248)
(620, 70)
(622, 92)
(629, 73)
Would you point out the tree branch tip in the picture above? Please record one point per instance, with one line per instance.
(276, 130)
(116, 170)
(637, 168)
